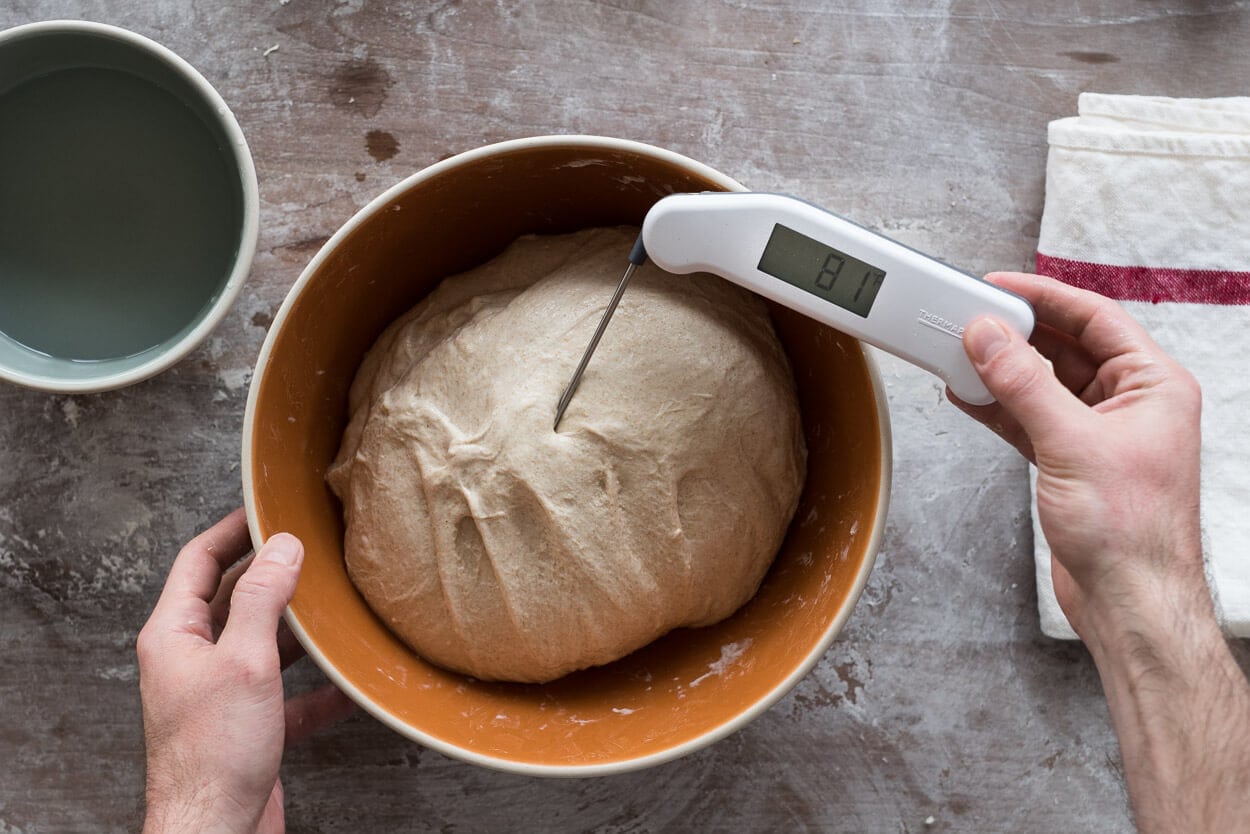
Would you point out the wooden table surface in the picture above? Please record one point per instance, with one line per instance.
(940, 707)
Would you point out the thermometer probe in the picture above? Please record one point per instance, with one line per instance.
(828, 269)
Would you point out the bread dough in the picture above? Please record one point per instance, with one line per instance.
(497, 547)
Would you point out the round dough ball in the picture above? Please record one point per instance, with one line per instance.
(495, 546)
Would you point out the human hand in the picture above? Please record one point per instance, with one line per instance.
(1113, 426)
(210, 676)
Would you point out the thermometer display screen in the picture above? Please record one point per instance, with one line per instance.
(821, 270)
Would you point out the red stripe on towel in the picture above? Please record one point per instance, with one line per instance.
(1148, 283)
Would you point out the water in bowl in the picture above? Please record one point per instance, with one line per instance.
(119, 214)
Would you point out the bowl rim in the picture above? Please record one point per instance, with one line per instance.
(379, 712)
(161, 360)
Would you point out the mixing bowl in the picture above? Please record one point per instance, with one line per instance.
(685, 690)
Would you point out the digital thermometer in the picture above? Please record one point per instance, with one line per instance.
(836, 272)
(829, 269)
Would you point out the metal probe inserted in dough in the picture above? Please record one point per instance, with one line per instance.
(637, 257)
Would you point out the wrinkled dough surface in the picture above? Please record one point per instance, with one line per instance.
(497, 547)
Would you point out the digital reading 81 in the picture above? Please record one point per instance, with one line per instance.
(821, 270)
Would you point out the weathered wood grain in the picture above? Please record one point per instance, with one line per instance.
(923, 119)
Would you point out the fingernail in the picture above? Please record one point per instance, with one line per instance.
(283, 548)
(985, 337)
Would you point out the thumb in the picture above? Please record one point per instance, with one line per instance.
(1021, 380)
(263, 591)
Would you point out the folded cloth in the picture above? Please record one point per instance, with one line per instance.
(1148, 202)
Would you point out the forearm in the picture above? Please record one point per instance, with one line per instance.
(1180, 705)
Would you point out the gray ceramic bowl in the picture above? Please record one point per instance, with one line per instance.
(128, 207)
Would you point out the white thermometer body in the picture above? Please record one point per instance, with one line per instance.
(836, 272)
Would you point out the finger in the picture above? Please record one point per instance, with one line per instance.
(196, 574)
(1071, 362)
(1098, 324)
(289, 647)
(316, 710)
(1126, 357)
(261, 593)
(1021, 381)
(220, 605)
(1095, 349)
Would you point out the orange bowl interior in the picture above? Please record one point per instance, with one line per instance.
(687, 685)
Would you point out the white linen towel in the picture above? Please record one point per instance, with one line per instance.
(1148, 202)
